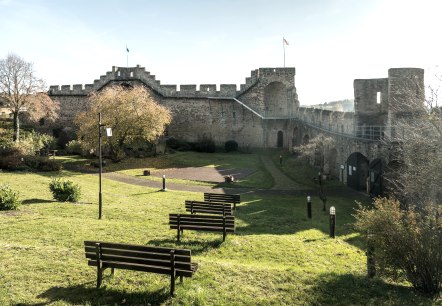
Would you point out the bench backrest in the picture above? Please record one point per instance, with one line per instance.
(224, 198)
(208, 207)
(139, 257)
(202, 222)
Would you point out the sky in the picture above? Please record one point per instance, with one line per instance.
(331, 42)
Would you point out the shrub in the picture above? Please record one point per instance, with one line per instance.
(205, 145)
(231, 146)
(407, 242)
(12, 163)
(42, 163)
(173, 143)
(64, 190)
(8, 198)
(74, 147)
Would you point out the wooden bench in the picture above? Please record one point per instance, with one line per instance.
(222, 198)
(181, 222)
(224, 209)
(160, 260)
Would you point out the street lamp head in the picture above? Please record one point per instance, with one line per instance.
(332, 211)
(308, 198)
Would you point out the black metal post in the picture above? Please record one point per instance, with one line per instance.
(309, 207)
(280, 160)
(100, 198)
(332, 222)
(371, 262)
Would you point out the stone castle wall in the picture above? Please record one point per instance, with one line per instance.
(253, 115)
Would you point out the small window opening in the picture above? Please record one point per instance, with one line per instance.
(118, 73)
(378, 97)
(131, 74)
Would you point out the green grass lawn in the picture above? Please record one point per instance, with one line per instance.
(276, 257)
(260, 178)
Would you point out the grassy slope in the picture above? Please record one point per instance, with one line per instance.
(276, 257)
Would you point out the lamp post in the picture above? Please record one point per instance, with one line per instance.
(100, 161)
(332, 221)
(309, 207)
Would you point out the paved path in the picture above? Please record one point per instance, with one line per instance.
(282, 183)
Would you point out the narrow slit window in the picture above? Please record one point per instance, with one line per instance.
(378, 97)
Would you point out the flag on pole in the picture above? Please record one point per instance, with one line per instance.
(285, 42)
(127, 49)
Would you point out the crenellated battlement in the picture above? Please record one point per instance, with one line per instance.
(131, 74)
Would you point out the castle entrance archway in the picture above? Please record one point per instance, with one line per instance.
(357, 171)
(305, 139)
(280, 140)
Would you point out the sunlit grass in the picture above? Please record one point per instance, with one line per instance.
(277, 257)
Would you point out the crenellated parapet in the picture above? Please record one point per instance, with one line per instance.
(333, 121)
(133, 74)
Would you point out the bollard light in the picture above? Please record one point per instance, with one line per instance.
(164, 183)
(332, 222)
(309, 207)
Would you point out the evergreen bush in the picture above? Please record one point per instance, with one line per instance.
(8, 198)
(64, 191)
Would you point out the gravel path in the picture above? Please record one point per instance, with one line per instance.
(283, 184)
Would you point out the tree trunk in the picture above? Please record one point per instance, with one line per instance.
(16, 124)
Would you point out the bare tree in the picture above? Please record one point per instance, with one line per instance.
(23, 91)
(316, 150)
(131, 112)
(416, 146)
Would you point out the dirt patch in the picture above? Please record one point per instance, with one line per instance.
(205, 174)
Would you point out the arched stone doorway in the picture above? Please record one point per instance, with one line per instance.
(357, 171)
(280, 140)
(305, 139)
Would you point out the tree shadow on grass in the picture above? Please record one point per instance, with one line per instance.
(86, 295)
(37, 201)
(349, 289)
(287, 215)
(197, 246)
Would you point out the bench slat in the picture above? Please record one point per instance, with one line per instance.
(141, 261)
(141, 248)
(200, 217)
(136, 254)
(142, 268)
(204, 228)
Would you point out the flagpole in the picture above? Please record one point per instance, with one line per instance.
(283, 46)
